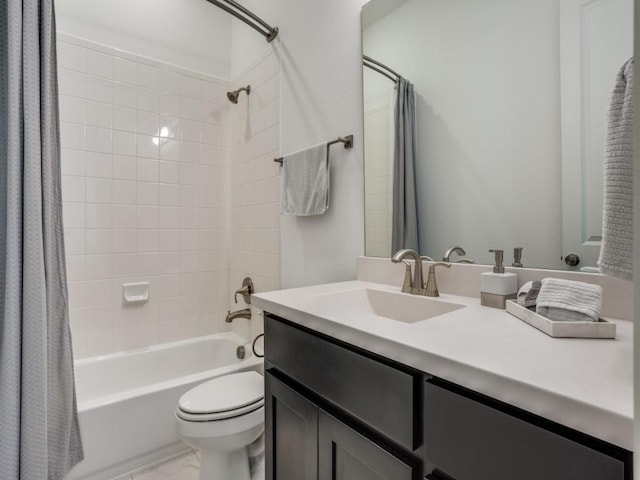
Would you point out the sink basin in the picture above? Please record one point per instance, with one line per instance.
(400, 307)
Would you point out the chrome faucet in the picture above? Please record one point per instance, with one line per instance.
(432, 285)
(244, 313)
(459, 251)
(416, 286)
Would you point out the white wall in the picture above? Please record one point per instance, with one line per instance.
(489, 121)
(189, 33)
(321, 99)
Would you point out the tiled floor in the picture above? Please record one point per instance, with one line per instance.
(185, 467)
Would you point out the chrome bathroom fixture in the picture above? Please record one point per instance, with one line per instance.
(416, 286)
(246, 291)
(381, 68)
(241, 13)
(432, 285)
(347, 141)
(459, 251)
(233, 95)
(244, 313)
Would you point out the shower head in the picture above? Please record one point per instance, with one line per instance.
(233, 96)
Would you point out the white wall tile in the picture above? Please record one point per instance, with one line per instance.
(124, 143)
(125, 191)
(99, 190)
(147, 100)
(148, 170)
(124, 70)
(72, 83)
(125, 240)
(99, 89)
(72, 56)
(124, 168)
(147, 193)
(99, 165)
(99, 114)
(124, 119)
(72, 109)
(99, 64)
(125, 265)
(73, 162)
(72, 136)
(148, 77)
(98, 139)
(99, 215)
(73, 189)
(148, 123)
(147, 146)
(125, 216)
(169, 104)
(98, 241)
(146, 161)
(125, 95)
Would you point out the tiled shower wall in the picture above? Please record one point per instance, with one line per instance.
(254, 247)
(145, 157)
(378, 175)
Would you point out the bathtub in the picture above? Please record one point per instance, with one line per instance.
(127, 400)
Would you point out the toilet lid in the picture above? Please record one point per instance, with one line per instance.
(224, 394)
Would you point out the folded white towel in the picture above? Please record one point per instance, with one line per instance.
(304, 182)
(616, 252)
(569, 301)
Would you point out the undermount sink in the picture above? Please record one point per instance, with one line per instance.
(400, 307)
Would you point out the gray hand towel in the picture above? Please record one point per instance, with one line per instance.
(616, 252)
(569, 301)
(304, 182)
(528, 294)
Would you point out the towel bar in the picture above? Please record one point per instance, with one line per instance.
(348, 143)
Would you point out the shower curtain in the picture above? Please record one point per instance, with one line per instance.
(39, 435)
(404, 232)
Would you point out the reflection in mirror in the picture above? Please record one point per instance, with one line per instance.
(511, 97)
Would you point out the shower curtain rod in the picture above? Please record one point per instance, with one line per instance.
(367, 61)
(269, 34)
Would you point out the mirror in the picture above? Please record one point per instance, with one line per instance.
(511, 99)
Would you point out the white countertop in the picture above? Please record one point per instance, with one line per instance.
(585, 384)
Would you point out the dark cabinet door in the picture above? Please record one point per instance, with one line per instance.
(344, 454)
(291, 433)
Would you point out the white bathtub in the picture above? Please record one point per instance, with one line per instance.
(127, 400)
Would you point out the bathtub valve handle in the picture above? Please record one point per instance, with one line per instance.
(245, 291)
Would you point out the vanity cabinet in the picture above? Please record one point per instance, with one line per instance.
(337, 412)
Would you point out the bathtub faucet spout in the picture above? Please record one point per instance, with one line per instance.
(244, 313)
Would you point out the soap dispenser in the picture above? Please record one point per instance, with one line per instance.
(497, 287)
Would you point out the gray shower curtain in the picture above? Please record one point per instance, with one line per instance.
(39, 435)
(404, 232)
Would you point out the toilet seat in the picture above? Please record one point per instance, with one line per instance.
(222, 398)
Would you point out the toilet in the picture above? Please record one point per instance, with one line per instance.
(221, 418)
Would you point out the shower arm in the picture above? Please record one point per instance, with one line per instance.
(269, 34)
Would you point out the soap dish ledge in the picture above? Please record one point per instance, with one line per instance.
(599, 329)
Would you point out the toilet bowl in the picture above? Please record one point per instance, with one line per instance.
(221, 418)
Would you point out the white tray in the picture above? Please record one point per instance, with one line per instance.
(599, 329)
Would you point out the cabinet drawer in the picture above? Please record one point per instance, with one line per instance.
(377, 394)
(473, 441)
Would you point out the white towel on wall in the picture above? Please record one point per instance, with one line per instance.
(569, 301)
(304, 182)
(616, 252)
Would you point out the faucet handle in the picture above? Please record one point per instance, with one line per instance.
(424, 257)
(407, 285)
(432, 285)
(245, 291)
